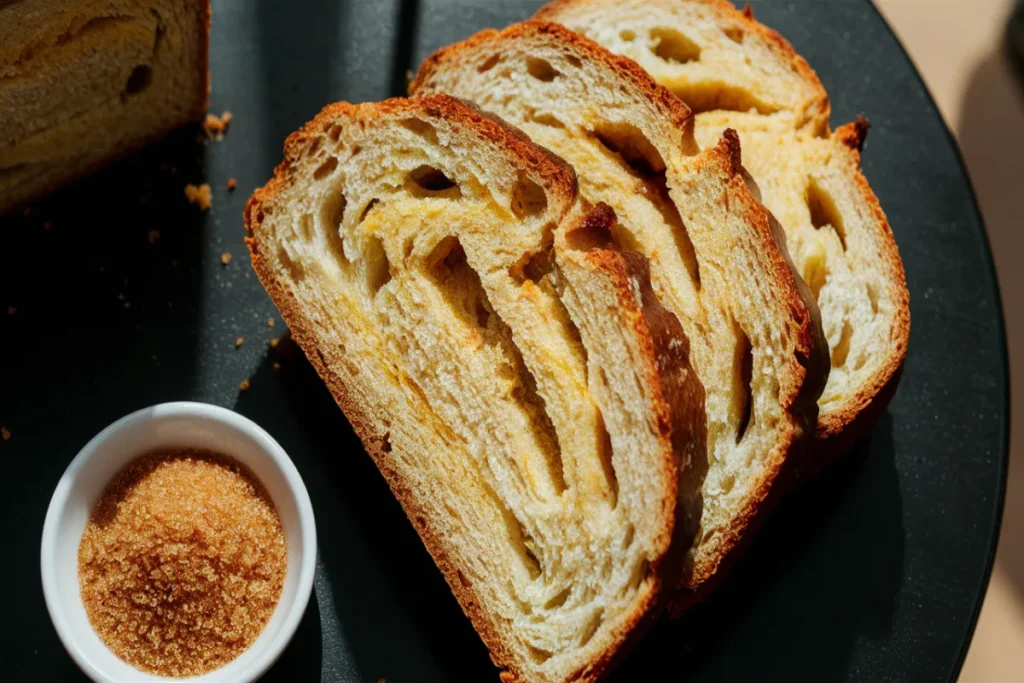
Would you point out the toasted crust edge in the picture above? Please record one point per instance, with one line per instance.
(646, 611)
(204, 18)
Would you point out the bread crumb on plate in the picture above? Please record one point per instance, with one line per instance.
(215, 126)
(199, 195)
(232, 184)
(4, 433)
(239, 342)
(244, 385)
(225, 258)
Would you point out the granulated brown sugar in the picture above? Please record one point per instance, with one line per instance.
(182, 562)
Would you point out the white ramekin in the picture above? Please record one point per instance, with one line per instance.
(192, 425)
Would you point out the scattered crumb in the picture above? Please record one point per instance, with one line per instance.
(239, 342)
(4, 433)
(154, 236)
(384, 680)
(215, 126)
(270, 322)
(47, 225)
(244, 385)
(200, 196)
(225, 258)
(232, 184)
(274, 342)
(277, 367)
(11, 310)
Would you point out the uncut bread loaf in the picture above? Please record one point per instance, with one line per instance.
(736, 73)
(83, 82)
(715, 261)
(507, 366)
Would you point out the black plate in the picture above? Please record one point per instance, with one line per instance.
(874, 573)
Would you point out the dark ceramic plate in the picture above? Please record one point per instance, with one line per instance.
(875, 573)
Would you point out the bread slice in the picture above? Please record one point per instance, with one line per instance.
(756, 340)
(509, 370)
(83, 82)
(735, 73)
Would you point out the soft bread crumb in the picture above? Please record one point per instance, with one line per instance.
(239, 342)
(4, 433)
(244, 386)
(232, 184)
(199, 195)
(154, 236)
(225, 258)
(215, 126)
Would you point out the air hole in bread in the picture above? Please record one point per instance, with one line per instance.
(533, 267)
(573, 60)
(545, 120)
(640, 573)
(385, 442)
(630, 143)
(433, 180)
(421, 128)
(559, 599)
(540, 69)
(824, 211)
(378, 268)
(138, 80)
(538, 655)
(295, 270)
(604, 456)
(591, 626)
(313, 148)
(735, 34)
(325, 169)
(627, 35)
(704, 96)
(369, 207)
(873, 298)
(488, 63)
(744, 357)
(530, 548)
(528, 198)
(334, 133)
(842, 348)
(469, 303)
(627, 539)
(673, 46)
(332, 214)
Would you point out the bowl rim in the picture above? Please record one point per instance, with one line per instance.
(273, 648)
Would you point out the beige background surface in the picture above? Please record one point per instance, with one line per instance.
(958, 47)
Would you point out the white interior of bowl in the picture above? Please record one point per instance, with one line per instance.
(169, 425)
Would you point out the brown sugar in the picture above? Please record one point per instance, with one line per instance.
(182, 562)
(199, 195)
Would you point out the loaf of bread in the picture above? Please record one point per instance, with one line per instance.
(715, 261)
(736, 73)
(506, 364)
(83, 82)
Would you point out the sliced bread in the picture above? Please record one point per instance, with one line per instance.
(508, 368)
(736, 73)
(715, 259)
(83, 82)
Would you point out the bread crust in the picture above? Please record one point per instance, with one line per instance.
(839, 428)
(195, 112)
(809, 367)
(654, 331)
